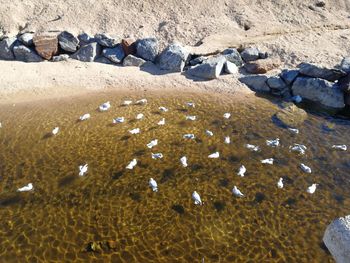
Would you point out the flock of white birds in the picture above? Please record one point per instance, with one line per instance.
(83, 169)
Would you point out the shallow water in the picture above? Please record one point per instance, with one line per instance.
(56, 221)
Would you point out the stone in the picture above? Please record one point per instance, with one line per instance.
(250, 54)
(85, 38)
(316, 71)
(115, 54)
(345, 64)
(230, 68)
(197, 60)
(25, 54)
(46, 45)
(337, 239)
(62, 57)
(276, 83)
(6, 47)
(173, 58)
(131, 60)
(27, 39)
(344, 84)
(129, 46)
(106, 40)
(232, 55)
(291, 116)
(210, 69)
(263, 55)
(262, 66)
(68, 41)
(147, 48)
(87, 53)
(256, 82)
(103, 60)
(320, 91)
(289, 75)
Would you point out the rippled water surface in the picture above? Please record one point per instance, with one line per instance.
(115, 208)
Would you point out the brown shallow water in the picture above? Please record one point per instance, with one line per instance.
(56, 221)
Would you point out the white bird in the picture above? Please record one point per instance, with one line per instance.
(267, 161)
(163, 109)
(153, 184)
(189, 136)
(157, 155)
(183, 161)
(305, 168)
(252, 147)
(55, 130)
(214, 155)
(280, 183)
(237, 192)
(83, 169)
(191, 104)
(340, 147)
(196, 198)
(191, 118)
(297, 99)
(132, 164)
(227, 115)
(312, 188)
(135, 131)
(84, 117)
(227, 140)
(296, 131)
(300, 148)
(152, 143)
(209, 133)
(141, 102)
(161, 122)
(127, 102)
(118, 120)
(273, 143)
(139, 116)
(28, 187)
(241, 171)
(105, 106)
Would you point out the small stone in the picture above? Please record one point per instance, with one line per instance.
(173, 58)
(87, 53)
(131, 60)
(197, 60)
(232, 55)
(291, 115)
(115, 54)
(320, 4)
(46, 45)
(94, 247)
(68, 41)
(62, 57)
(210, 69)
(147, 48)
(345, 64)
(27, 39)
(262, 66)
(250, 54)
(230, 68)
(129, 46)
(107, 40)
(263, 55)
(276, 83)
(316, 71)
(289, 75)
(6, 47)
(256, 83)
(85, 38)
(25, 54)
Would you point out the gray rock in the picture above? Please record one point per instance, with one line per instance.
(173, 58)
(68, 41)
(230, 68)
(25, 54)
(87, 53)
(263, 55)
(344, 84)
(232, 55)
(250, 54)
(256, 82)
(115, 54)
(345, 64)
(107, 40)
(27, 39)
(132, 61)
(85, 38)
(210, 69)
(62, 57)
(337, 239)
(6, 47)
(276, 83)
(147, 48)
(103, 60)
(315, 71)
(289, 75)
(197, 60)
(320, 91)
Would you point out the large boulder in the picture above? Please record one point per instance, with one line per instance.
(210, 69)
(27, 39)
(320, 91)
(316, 71)
(291, 116)
(262, 66)
(256, 83)
(115, 54)
(147, 48)
(232, 55)
(337, 239)
(68, 41)
(106, 40)
(250, 54)
(173, 58)
(25, 54)
(6, 48)
(289, 75)
(87, 53)
(132, 61)
(345, 64)
(129, 46)
(46, 45)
